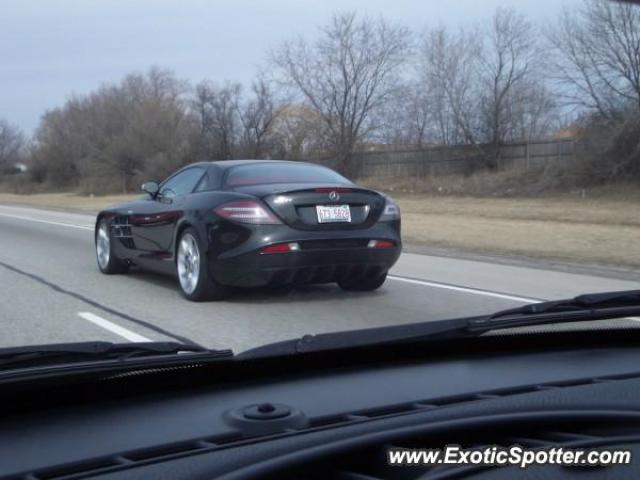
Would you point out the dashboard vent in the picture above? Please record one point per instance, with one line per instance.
(369, 462)
(128, 459)
(434, 403)
(114, 462)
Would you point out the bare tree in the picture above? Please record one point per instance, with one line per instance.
(448, 72)
(597, 57)
(216, 110)
(483, 86)
(533, 112)
(12, 143)
(162, 84)
(507, 66)
(298, 132)
(56, 149)
(115, 136)
(257, 116)
(349, 72)
(406, 119)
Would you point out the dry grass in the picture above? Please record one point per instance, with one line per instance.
(600, 229)
(563, 210)
(65, 200)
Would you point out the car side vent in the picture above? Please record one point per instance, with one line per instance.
(123, 460)
(121, 229)
(364, 460)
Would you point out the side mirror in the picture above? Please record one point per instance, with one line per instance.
(152, 188)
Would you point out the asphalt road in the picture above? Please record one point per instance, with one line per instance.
(51, 291)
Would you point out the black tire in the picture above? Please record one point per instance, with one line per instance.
(366, 284)
(205, 288)
(106, 259)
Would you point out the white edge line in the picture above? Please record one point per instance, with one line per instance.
(31, 219)
(479, 292)
(474, 291)
(113, 328)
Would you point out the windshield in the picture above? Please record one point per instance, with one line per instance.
(310, 168)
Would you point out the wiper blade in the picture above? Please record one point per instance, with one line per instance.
(37, 355)
(593, 306)
(581, 302)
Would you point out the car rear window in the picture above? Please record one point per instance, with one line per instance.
(261, 173)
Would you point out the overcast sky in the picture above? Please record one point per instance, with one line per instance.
(50, 49)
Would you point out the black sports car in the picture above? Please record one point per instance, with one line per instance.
(250, 223)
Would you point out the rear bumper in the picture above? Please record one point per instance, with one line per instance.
(321, 258)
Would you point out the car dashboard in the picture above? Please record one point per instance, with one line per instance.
(332, 421)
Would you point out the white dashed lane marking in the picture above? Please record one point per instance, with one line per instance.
(113, 328)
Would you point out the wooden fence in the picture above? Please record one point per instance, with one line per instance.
(463, 159)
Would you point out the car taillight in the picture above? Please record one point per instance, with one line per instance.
(391, 211)
(247, 211)
(281, 248)
(380, 244)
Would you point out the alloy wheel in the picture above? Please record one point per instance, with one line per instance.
(188, 263)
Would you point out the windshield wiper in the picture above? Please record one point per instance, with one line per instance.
(40, 355)
(590, 307)
(591, 300)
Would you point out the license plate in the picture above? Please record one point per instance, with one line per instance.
(333, 213)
